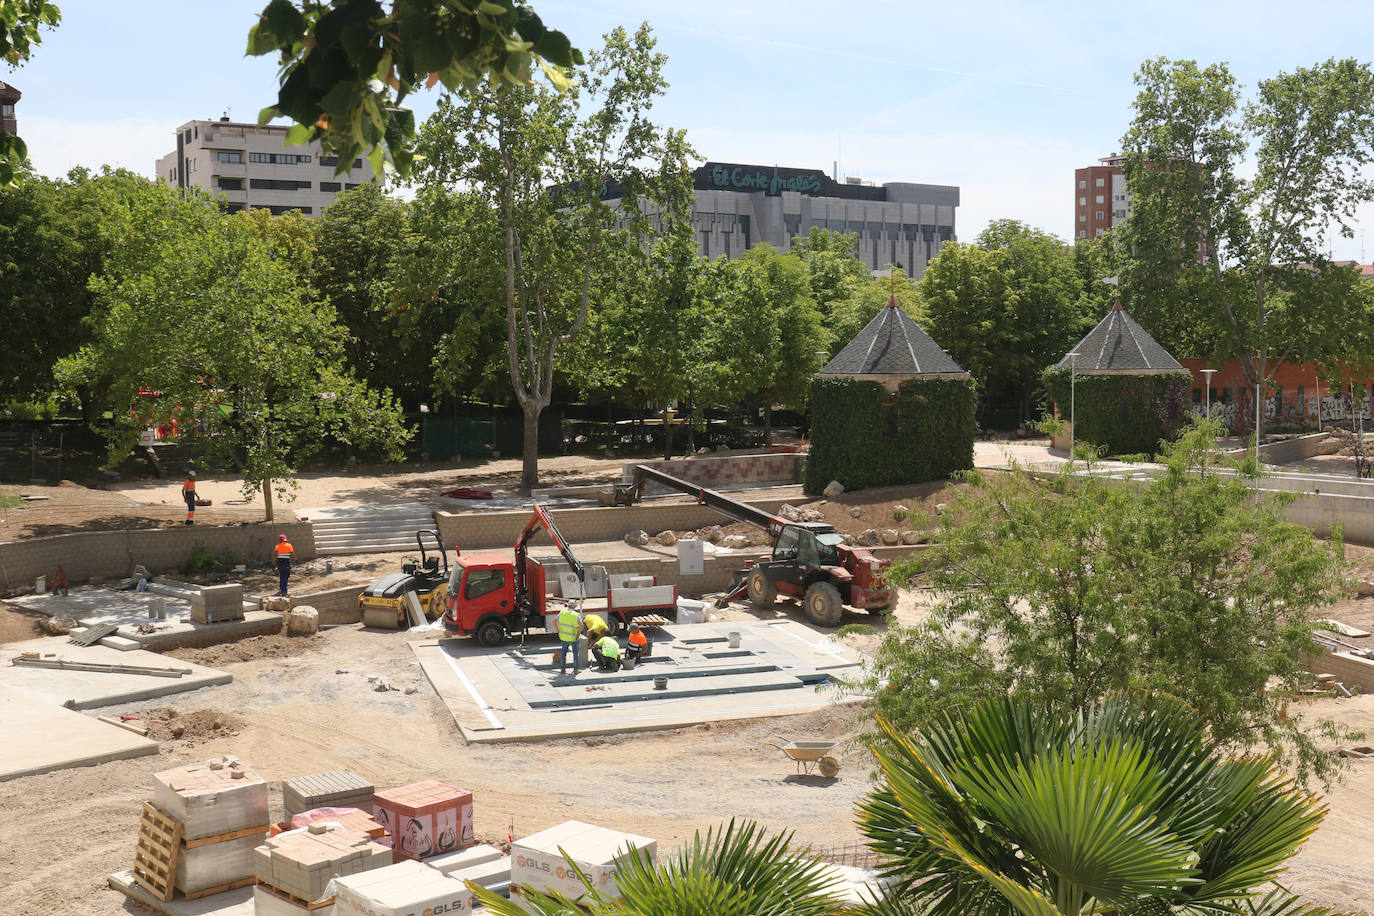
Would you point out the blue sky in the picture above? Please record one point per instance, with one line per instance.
(1002, 99)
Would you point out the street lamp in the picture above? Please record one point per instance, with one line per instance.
(1207, 391)
(1073, 431)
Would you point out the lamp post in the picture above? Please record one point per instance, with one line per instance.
(1207, 391)
(1073, 431)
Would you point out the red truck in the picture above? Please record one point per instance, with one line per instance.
(491, 598)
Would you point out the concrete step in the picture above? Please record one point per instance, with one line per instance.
(340, 531)
(355, 549)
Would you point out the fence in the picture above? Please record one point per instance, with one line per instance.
(37, 452)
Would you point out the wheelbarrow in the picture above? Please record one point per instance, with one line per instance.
(810, 755)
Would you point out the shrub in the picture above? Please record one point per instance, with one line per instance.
(1125, 414)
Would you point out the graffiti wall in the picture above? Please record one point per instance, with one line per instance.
(1238, 415)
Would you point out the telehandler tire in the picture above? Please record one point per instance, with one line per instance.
(823, 605)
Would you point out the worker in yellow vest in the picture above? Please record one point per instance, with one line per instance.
(284, 552)
(569, 631)
(607, 653)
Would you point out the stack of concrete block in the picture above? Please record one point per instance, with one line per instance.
(482, 865)
(217, 603)
(222, 806)
(335, 789)
(296, 867)
(425, 818)
(401, 890)
(538, 865)
(350, 818)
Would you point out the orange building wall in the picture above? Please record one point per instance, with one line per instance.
(1291, 402)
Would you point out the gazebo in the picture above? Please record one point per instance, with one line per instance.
(1124, 390)
(891, 407)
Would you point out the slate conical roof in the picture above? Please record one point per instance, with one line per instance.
(892, 344)
(1119, 345)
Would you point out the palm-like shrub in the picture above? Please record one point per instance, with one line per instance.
(1123, 808)
(733, 871)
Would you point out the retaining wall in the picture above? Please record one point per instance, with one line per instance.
(1286, 450)
(483, 530)
(84, 554)
(724, 472)
(335, 605)
(1350, 670)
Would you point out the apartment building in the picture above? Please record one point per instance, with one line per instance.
(8, 97)
(1101, 200)
(249, 167)
(738, 206)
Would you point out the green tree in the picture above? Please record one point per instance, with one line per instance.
(833, 269)
(539, 161)
(964, 291)
(1121, 807)
(1062, 590)
(21, 22)
(251, 367)
(1222, 265)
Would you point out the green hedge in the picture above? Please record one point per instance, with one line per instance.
(864, 436)
(1125, 413)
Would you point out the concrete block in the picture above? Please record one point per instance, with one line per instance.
(302, 862)
(218, 796)
(466, 858)
(214, 864)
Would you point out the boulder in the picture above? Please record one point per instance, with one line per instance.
(790, 512)
(891, 536)
(941, 507)
(900, 512)
(735, 541)
(832, 489)
(914, 537)
(850, 539)
(855, 512)
(276, 603)
(637, 538)
(812, 514)
(1364, 588)
(711, 534)
(868, 538)
(302, 621)
(665, 538)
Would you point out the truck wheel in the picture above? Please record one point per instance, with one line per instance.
(761, 591)
(491, 633)
(823, 606)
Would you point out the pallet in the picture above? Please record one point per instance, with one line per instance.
(93, 634)
(222, 837)
(651, 620)
(289, 897)
(155, 857)
(221, 888)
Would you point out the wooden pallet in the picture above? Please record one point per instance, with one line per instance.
(155, 858)
(651, 620)
(221, 888)
(222, 837)
(292, 898)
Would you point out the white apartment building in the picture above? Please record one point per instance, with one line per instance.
(248, 167)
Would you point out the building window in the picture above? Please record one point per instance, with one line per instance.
(332, 186)
(1082, 201)
(1082, 233)
(278, 184)
(1197, 395)
(350, 186)
(7, 110)
(1101, 215)
(190, 166)
(1082, 184)
(277, 158)
(1101, 182)
(329, 160)
(229, 157)
(1099, 233)
(1082, 217)
(1119, 214)
(278, 210)
(231, 184)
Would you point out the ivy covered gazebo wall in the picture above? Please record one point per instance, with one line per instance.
(865, 435)
(1125, 414)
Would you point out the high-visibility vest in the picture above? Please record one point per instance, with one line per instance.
(284, 549)
(609, 647)
(568, 624)
(639, 639)
(190, 484)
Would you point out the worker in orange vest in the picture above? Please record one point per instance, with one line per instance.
(188, 493)
(284, 552)
(639, 643)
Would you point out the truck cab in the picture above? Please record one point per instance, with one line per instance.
(481, 598)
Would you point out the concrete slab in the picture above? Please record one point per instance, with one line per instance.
(238, 902)
(41, 737)
(92, 604)
(91, 689)
(517, 694)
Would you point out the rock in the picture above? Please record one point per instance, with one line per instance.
(914, 537)
(302, 621)
(704, 450)
(412, 690)
(891, 536)
(941, 507)
(637, 538)
(900, 512)
(832, 489)
(734, 541)
(711, 533)
(867, 538)
(855, 512)
(666, 538)
(381, 686)
(178, 730)
(276, 603)
(812, 514)
(1364, 588)
(850, 540)
(790, 512)
(373, 678)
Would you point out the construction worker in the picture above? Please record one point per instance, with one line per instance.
(188, 493)
(607, 652)
(594, 628)
(284, 551)
(639, 643)
(569, 631)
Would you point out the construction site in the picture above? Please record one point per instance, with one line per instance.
(182, 740)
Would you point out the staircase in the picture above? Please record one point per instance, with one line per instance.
(364, 529)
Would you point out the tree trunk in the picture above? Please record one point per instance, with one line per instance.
(667, 434)
(767, 426)
(529, 466)
(267, 497)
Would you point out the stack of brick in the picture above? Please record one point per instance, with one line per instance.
(217, 603)
(402, 889)
(294, 868)
(425, 819)
(350, 818)
(335, 789)
(222, 806)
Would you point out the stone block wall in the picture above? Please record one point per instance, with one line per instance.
(335, 605)
(84, 554)
(724, 472)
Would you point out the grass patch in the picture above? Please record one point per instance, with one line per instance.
(10, 501)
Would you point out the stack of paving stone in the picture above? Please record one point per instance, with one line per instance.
(222, 807)
(402, 889)
(335, 789)
(294, 868)
(217, 603)
(352, 818)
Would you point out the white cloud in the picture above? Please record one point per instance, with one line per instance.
(57, 145)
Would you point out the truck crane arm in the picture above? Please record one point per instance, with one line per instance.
(736, 509)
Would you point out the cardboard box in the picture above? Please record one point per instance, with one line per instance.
(405, 889)
(335, 789)
(537, 864)
(217, 796)
(303, 862)
(425, 818)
